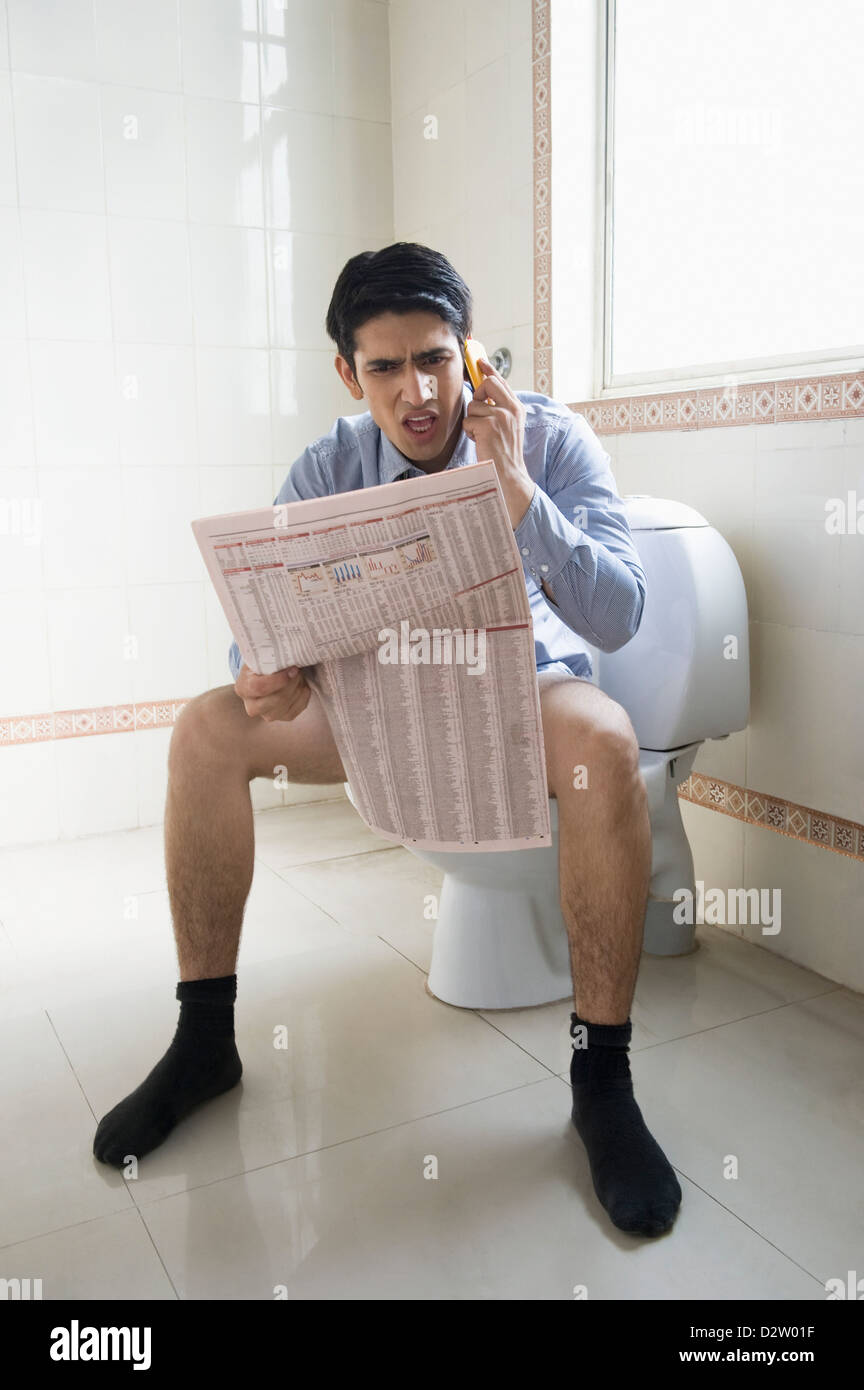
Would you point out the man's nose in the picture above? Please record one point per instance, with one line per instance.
(418, 386)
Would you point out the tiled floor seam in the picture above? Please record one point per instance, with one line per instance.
(58, 1230)
(565, 1079)
(729, 1023)
(333, 859)
(354, 1139)
(157, 1251)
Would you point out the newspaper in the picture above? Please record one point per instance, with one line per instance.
(406, 607)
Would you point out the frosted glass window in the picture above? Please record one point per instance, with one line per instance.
(737, 184)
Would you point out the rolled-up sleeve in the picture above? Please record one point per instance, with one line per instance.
(305, 479)
(575, 538)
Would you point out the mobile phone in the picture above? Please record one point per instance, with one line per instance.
(474, 349)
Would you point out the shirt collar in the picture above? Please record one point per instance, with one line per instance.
(392, 463)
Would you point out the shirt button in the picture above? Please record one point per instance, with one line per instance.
(544, 568)
(525, 550)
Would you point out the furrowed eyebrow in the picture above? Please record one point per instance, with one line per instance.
(418, 357)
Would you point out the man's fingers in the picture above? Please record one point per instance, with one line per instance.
(280, 704)
(259, 686)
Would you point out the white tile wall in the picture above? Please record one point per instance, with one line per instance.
(151, 282)
(87, 636)
(361, 60)
(21, 532)
(156, 404)
(56, 38)
(229, 285)
(462, 155)
(65, 258)
(145, 164)
(8, 173)
(233, 407)
(29, 805)
(83, 539)
(805, 611)
(57, 143)
(13, 324)
(219, 44)
(75, 404)
(97, 787)
(180, 185)
(138, 44)
(223, 158)
(297, 55)
(765, 488)
(24, 624)
(304, 381)
(168, 655)
(4, 46)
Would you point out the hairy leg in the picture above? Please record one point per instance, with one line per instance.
(216, 749)
(604, 838)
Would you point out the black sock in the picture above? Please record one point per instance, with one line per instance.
(632, 1176)
(201, 1063)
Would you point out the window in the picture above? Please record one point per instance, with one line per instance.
(735, 188)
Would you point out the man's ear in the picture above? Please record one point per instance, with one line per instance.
(345, 372)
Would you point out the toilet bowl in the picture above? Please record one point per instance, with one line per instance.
(500, 941)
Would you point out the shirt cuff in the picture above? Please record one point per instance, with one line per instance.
(546, 539)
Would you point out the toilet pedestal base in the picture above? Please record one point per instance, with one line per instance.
(499, 950)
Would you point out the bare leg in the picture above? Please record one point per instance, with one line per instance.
(604, 837)
(215, 750)
(209, 841)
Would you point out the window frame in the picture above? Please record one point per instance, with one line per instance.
(775, 368)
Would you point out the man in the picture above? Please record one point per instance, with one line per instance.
(399, 317)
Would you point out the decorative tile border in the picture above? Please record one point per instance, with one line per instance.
(16, 730)
(756, 808)
(542, 154)
(837, 397)
(775, 813)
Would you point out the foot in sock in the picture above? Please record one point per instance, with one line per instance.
(632, 1177)
(201, 1063)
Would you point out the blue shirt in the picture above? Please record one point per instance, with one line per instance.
(574, 534)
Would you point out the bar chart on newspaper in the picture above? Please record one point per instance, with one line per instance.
(405, 604)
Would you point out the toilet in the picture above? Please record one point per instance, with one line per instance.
(500, 940)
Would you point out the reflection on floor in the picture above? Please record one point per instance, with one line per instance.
(395, 1147)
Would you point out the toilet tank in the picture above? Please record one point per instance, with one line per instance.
(674, 677)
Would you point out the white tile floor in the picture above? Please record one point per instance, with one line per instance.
(310, 1175)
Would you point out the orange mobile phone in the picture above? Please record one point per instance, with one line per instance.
(473, 350)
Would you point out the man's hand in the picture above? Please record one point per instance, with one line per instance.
(282, 695)
(498, 431)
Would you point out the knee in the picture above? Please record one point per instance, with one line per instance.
(612, 738)
(200, 725)
(605, 744)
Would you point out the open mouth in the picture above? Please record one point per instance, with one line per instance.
(420, 426)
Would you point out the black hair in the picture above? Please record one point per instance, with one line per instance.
(398, 279)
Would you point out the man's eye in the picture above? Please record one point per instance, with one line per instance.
(378, 370)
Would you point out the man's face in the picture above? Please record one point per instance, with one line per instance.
(411, 365)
